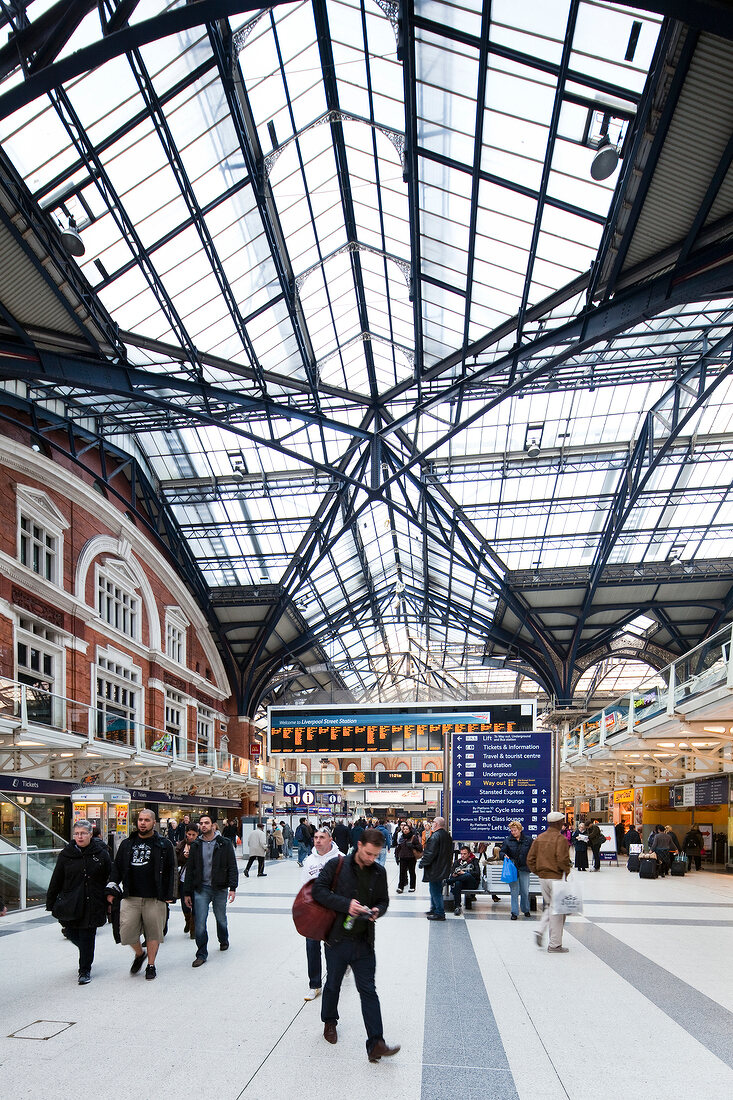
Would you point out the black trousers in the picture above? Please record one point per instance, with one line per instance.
(83, 939)
(359, 955)
(596, 858)
(260, 864)
(407, 866)
(697, 859)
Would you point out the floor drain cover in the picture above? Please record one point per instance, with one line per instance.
(42, 1029)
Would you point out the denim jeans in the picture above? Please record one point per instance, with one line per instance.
(359, 955)
(520, 887)
(382, 857)
(202, 898)
(313, 955)
(303, 852)
(436, 898)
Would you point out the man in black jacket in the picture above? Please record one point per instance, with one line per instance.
(360, 896)
(144, 873)
(436, 865)
(341, 837)
(211, 869)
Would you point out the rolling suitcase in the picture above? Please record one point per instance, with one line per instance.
(632, 864)
(679, 866)
(648, 867)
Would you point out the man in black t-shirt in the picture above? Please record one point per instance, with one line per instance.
(145, 874)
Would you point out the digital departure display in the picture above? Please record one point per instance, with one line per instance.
(344, 731)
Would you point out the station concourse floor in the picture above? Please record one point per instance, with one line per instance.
(641, 1006)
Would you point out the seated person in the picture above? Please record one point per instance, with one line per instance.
(465, 875)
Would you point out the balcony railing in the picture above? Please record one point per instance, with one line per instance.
(706, 667)
(26, 706)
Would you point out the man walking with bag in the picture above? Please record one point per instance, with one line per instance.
(549, 859)
(324, 849)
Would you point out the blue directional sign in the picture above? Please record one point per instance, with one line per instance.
(333, 799)
(291, 790)
(497, 778)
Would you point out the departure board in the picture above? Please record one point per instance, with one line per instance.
(342, 732)
(498, 778)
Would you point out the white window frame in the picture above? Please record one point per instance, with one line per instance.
(205, 729)
(39, 635)
(177, 727)
(39, 511)
(128, 603)
(176, 627)
(119, 673)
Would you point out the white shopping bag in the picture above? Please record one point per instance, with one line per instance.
(566, 898)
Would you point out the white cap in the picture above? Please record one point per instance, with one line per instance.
(555, 816)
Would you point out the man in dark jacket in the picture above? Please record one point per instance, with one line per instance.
(360, 895)
(631, 837)
(304, 840)
(436, 864)
(210, 871)
(144, 873)
(80, 879)
(341, 837)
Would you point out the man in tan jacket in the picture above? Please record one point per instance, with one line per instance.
(549, 859)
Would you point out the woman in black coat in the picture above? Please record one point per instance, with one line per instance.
(407, 849)
(77, 892)
(580, 841)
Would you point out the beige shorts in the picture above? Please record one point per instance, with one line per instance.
(141, 917)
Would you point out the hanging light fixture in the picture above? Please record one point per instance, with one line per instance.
(605, 162)
(71, 240)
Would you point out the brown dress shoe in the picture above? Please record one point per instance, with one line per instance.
(329, 1032)
(381, 1050)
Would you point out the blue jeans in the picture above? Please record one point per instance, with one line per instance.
(313, 955)
(202, 898)
(520, 886)
(303, 852)
(382, 857)
(359, 955)
(436, 898)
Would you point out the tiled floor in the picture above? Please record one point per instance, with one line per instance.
(642, 1005)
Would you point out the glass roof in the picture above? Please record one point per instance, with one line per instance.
(339, 248)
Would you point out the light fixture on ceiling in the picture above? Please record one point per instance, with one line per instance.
(552, 384)
(71, 240)
(605, 162)
(533, 449)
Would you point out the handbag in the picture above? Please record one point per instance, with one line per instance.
(312, 920)
(508, 870)
(566, 898)
(69, 906)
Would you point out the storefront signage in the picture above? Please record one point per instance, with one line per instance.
(623, 796)
(16, 784)
(497, 778)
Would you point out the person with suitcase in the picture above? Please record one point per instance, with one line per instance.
(663, 846)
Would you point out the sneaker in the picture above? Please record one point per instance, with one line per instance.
(526, 914)
(400, 889)
(411, 890)
(514, 916)
(434, 916)
(150, 973)
(558, 950)
(137, 964)
(84, 977)
(312, 994)
(457, 911)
